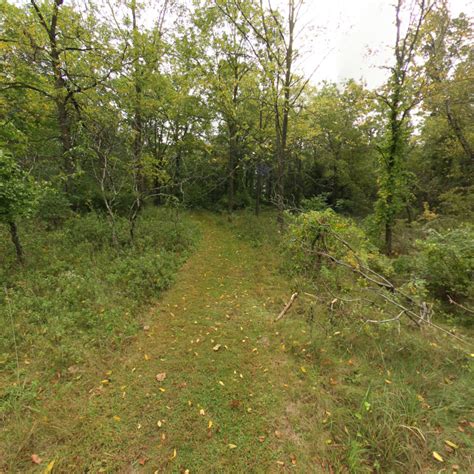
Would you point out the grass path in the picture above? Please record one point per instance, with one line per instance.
(225, 403)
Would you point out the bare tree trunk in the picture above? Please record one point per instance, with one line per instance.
(16, 241)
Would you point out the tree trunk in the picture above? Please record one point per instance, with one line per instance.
(388, 238)
(258, 192)
(454, 123)
(231, 166)
(16, 241)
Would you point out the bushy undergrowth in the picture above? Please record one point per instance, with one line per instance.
(384, 396)
(256, 230)
(78, 295)
(446, 262)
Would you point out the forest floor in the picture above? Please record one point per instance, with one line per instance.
(211, 383)
(205, 387)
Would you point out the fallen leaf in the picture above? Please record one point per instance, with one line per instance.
(117, 418)
(451, 444)
(221, 383)
(49, 467)
(216, 347)
(202, 412)
(438, 456)
(231, 446)
(261, 438)
(303, 370)
(142, 461)
(160, 377)
(146, 357)
(173, 455)
(159, 424)
(36, 459)
(209, 425)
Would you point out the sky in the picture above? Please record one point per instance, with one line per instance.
(339, 33)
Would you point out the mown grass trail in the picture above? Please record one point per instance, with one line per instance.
(224, 404)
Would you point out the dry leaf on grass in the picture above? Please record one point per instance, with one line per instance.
(160, 377)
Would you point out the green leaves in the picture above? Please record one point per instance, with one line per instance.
(18, 192)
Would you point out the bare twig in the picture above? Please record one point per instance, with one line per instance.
(287, 307)
(469, 310)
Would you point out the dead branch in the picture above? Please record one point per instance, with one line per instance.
(469, 310)
(287, 307)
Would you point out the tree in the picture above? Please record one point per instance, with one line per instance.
(41, 56)
(17, 198)
(400, 95)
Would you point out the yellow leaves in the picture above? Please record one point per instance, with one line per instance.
(303, 370)
(173, 456)
(438, 456)
(209, 425)
(159, 424)
(105, 382)
(231, 446)
(117, 418)
(146, 357)
(451, 444)
(160, 377)
(161, 389)
(216, 347)
(49, 467)
(202, 412)
(388, 382)
(221, 383)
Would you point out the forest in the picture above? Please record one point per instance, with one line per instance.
(211, 261)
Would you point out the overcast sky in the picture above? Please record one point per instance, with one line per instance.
(342, 32)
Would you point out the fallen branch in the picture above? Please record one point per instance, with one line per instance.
(287, 307)
(469, 310)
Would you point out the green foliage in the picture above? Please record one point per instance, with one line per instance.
(315, 234)
(446, 262)
(315, 203)
(78, 293)
(53, 207)
(144, 275)
(17, 190)
(458, 202)
(94, 229)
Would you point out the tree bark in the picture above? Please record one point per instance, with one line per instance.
(16, 241)
(258, 192)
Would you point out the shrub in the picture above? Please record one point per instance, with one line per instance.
(53, 208)
(145, 275)
(326, 232)
(446, 262)
(94, 229)
(315, 203)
